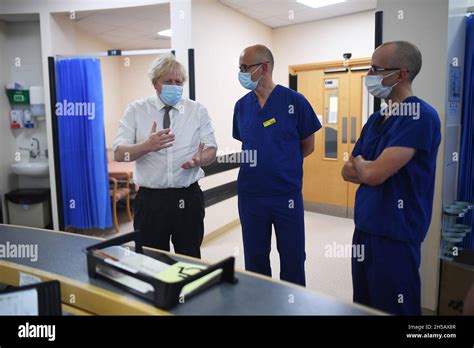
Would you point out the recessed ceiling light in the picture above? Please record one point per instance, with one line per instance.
(166, 32)
(319, 3)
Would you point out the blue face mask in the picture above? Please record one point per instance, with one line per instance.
(171, 94)
(245, 79)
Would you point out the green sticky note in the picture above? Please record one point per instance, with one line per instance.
(191, 287)
(182, 270)
(179, 271)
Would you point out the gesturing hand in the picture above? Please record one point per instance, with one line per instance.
(159, 140)
(196, 160)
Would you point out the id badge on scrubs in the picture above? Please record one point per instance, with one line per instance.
(269, 122)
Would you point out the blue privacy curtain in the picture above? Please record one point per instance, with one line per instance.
(82, 148)
(466, 161)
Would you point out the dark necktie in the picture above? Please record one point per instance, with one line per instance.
(166, 118)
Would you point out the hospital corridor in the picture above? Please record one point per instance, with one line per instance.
(185, 170)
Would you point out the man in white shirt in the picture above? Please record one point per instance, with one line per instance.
(170, 138)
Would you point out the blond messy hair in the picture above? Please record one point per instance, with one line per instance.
(164, 64)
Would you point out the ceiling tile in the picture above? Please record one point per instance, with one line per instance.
(91, 26)
(127, 28)
(114, 18)
(275, 21)
(275, 13)
(148, 27)
(122, 33)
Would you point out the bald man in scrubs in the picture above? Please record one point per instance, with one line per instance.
(394, 161)
(277, 124)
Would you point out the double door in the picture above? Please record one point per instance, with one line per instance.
(340, 100)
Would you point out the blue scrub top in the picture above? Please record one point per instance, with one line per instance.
(401, 207)
(273, 133)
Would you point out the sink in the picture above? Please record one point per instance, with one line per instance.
(34, 168)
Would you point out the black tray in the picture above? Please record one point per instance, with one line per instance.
(165, 295)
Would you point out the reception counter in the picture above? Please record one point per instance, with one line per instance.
(60, 257)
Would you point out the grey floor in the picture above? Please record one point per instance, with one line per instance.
(330, 275)
(324, 273)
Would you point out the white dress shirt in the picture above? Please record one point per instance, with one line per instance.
(191, 125)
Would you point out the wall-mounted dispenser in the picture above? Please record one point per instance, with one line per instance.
(16, 118)
(37, 101)
(27, 123)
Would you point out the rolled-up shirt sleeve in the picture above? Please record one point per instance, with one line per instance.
(206, 131)
(126, 133)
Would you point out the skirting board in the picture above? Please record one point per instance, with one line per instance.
(220, 231)
(309, 206)
(329, 209)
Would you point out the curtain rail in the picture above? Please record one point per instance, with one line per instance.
(113, 53)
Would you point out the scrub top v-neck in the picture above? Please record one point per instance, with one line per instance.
(272, 134)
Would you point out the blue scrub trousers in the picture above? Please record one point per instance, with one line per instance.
(286, 213)
(387, 279)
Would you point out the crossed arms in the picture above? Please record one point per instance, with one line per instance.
(373, 173)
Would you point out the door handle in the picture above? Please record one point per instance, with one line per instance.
(353, 129)
(344, 130)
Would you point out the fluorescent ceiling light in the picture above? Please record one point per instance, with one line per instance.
(166, 32)
(319, 3)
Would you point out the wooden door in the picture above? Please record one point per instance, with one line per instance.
(337, 97)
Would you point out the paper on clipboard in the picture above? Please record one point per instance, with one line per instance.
(124, 279)
(19, 303)
(136, 262)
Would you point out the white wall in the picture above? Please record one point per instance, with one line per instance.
(23, 42)
(8, 181)
(321, 41)
(425, 23)
(224, 212)
(221, 33)
(219, 36)
(181, 18)
(134, 82)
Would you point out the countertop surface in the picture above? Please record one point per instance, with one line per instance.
(62, 253)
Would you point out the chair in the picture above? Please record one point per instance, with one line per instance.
(120, 190)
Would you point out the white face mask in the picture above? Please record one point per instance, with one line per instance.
(376, 88)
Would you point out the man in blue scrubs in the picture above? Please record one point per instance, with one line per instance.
(276, 126)
(394, 161)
